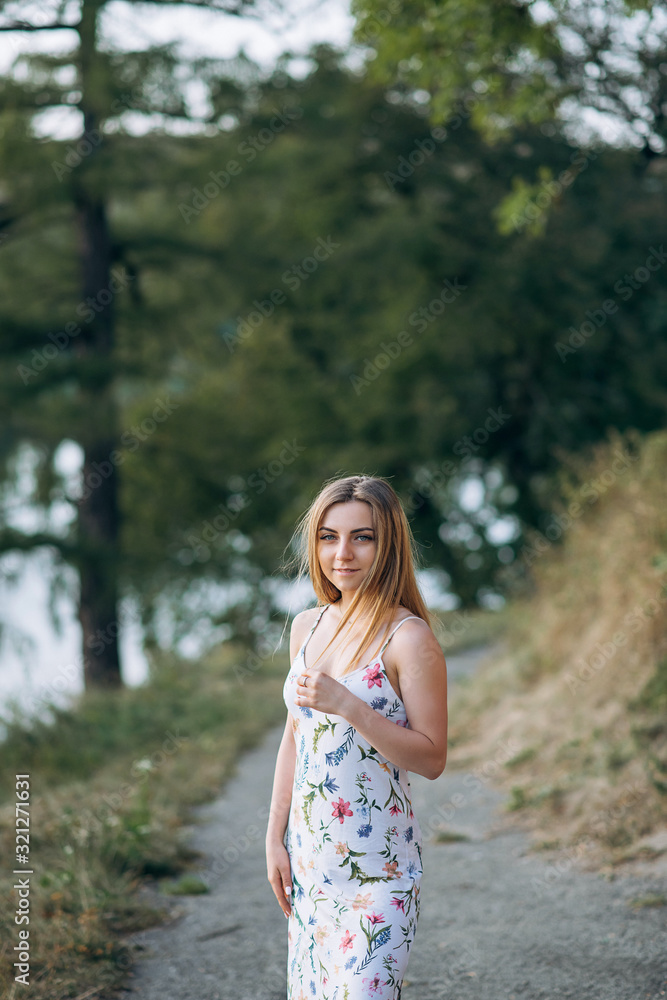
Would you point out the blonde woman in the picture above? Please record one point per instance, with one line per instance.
(367, 702)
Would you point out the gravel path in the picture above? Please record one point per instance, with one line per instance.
(497, 922)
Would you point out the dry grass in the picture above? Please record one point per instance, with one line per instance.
(581, 687)
(110, 794)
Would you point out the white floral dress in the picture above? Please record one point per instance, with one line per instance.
(355, 849)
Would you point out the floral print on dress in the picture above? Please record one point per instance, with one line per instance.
(355, 850)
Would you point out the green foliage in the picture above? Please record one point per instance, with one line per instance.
(187, 885)
(517, 67)
(653, 697)
(205, 496)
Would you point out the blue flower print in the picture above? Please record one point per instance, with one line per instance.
(378, 703)
(330, 784)
(365, 830)
(350, 962)
(306, 711)
(408, 834)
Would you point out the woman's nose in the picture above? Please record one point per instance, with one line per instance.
(344, 550)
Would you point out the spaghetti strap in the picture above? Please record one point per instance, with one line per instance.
(317, 622)
(395, 629)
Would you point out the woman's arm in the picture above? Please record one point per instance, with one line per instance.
(283, 779)
(422, 674)
(278, 865)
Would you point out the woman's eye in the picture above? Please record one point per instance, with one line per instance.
(325, 538)
(366, 538)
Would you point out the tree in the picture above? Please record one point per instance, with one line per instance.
(512, 64)
(82, 357)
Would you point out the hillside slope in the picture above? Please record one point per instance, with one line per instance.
(581, 684)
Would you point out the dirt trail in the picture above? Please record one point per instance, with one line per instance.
(497, 922)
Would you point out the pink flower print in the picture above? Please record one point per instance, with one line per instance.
(341, 810)
(321, 932)
(373, 984)
(395, 809)
(347, 940)
(342, 848)
(375, 918)
(361, 902)
(390, 868)
(374, 676)
(399, 904)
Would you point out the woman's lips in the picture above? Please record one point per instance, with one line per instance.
(345, 571)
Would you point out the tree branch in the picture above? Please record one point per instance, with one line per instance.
(11, 540)
(26, 26)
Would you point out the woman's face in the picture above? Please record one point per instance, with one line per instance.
(346, 544)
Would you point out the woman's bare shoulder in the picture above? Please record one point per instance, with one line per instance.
(415, 635)
(301, 625)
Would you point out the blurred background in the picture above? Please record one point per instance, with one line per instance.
(247, 246)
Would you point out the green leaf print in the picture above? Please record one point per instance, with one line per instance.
(361, 876)
(363, 797)
(336, 756)
(375, 941)
(396, 800)
(321, 729)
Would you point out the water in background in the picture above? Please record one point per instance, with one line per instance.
(39, 661)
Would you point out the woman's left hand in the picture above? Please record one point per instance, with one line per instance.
(315, 689)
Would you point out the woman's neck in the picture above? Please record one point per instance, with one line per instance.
(343, 606)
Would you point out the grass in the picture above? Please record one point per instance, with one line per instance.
(458, 631)
(653, 900)
(112, 783)
(450, 837)
(580, 683)
(187, 885)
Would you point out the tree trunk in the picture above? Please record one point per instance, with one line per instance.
(98, 520)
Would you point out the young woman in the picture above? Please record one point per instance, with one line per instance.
(367, 702)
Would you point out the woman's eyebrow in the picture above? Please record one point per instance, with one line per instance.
(353, 532)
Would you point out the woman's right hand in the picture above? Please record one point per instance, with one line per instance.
(279, 873)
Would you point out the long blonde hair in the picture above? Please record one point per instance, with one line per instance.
(391, 581)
